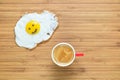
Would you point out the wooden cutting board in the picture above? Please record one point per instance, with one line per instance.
(91, 26)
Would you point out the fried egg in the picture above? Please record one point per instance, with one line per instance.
(34, 28)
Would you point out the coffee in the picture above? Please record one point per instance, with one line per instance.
(63, 54)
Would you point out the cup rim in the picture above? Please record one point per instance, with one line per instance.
(59, 64)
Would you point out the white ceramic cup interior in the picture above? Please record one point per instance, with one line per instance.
(63, 64)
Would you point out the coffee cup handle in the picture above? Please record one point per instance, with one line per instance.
(79, 54)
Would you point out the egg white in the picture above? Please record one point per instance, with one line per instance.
(48, 23)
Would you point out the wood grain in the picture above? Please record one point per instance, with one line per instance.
(91, 26)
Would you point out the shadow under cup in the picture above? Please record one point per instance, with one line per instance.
(63, 54)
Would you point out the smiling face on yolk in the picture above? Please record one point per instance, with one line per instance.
(32, 27)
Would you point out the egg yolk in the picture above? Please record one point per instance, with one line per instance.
(32, 27)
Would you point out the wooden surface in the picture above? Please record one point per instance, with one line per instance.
(91, 26)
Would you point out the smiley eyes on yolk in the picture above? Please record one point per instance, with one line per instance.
(29, 28)
(32, 24)
(32, 27)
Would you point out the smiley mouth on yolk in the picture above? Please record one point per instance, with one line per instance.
(34, 31)
(32, 27)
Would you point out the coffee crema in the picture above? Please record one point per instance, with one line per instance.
(63, 54)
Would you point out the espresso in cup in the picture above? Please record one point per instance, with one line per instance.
(63, 54)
